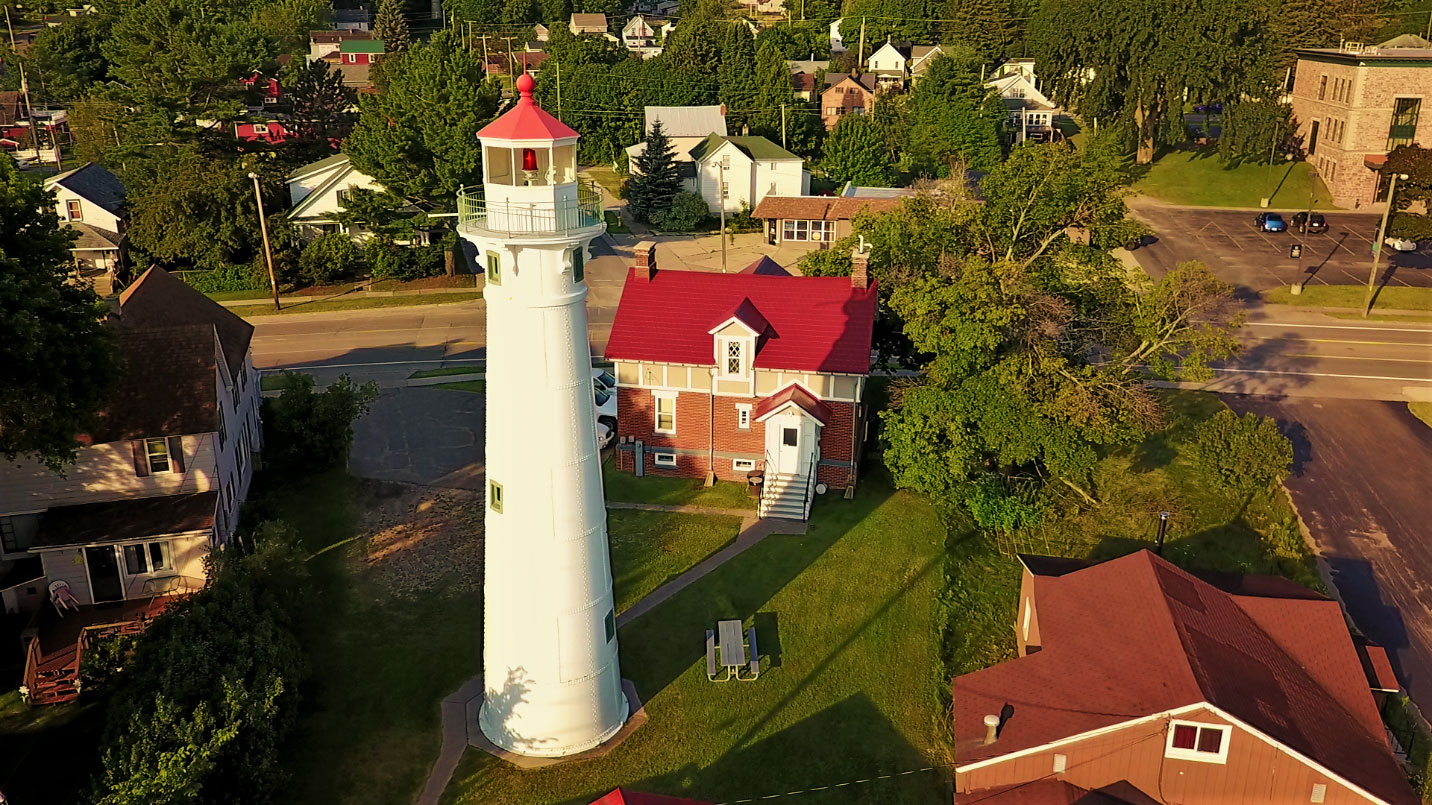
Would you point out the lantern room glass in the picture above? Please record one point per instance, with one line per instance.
(529, 166)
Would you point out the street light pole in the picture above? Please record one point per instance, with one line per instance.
(263, 227)
(1377, 244)
(721, 203)
(1268, 182)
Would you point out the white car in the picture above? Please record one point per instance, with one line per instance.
(606, 405)
(604, 379)
(1402, 244)
(605, 436)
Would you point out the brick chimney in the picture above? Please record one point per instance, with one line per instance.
(646, 260)
(860, 266)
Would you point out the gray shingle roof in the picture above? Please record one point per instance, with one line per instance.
(687, 121)
(94, 183)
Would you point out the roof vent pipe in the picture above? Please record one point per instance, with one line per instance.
(991, 723)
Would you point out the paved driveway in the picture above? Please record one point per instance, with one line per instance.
(424, 436)
(1361, 481)
(1228, 242)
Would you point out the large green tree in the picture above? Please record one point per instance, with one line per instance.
(986, 26)
(1132, 63)
(65, 61)
(776, 108)
(951, 116)
(737, 78)
(319, 103)
(856, 152)
(418, 137)
(56, 358)
(288, 22)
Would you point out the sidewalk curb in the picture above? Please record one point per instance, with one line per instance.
(296, 299)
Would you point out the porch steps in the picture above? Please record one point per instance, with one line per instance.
(784, 496)
(56, 679)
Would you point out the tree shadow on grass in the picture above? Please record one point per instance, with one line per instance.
(1231, 547)
(792, 760)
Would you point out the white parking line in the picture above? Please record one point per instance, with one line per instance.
(1325, 374)
(1342, 327)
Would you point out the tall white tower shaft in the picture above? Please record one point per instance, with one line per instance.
(553, 685)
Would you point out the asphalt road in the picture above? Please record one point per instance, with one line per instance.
(1361, 479)
(1228, 243)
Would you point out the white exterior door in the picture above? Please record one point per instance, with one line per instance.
(790, 438)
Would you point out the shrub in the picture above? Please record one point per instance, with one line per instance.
(1413, 227)
(103, 661)
(313, 430)
(388, 260)
(743, 222)
(232, 278)
(211, 691)
(1244, 455)
(687, 211)
(329, 259)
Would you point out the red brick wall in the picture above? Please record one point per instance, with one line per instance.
(636, 418)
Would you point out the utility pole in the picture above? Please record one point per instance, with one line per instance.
(860, 54)
(1377, 244)
(559, 90)
(511, 62)
(24, 88)
(263, 227)
(484, 53)
(783, 125)
(1268, 182)
(722, 198)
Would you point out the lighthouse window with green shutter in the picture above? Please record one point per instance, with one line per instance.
(579, 265)
(494, 269)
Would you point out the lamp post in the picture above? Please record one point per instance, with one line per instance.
(721, 197)
(1377, 244)
(263, 227)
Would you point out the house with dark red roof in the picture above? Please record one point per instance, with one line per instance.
(625, 796)
(1139, 682)
(757, 376)
(156, 485)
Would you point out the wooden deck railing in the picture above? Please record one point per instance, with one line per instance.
(31, 680)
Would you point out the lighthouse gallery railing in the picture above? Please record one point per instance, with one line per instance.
(531, 218)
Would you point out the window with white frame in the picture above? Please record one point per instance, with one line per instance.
(664, 459)
(148, 557)
(156, 452)
(818, 231)
(743, 464)
(733, 358)
(1193, 740)
(260, 128)
(743, 416)
(665, 407)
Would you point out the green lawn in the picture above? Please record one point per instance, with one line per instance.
(471, 386)
(627, 488)
(1198, 178)
(1353, 296)
(1422, 410)
(444, 371)
(652, 548)
(362, 303)
(604, 176)
(848, 618)
(230, 296)
(615, 225)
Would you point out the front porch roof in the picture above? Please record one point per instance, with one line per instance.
(797, 396)
(121, 520)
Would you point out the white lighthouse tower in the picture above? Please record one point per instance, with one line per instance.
(553, 687)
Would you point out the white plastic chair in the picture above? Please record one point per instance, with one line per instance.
(62, 598)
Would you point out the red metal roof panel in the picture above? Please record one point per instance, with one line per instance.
(526, 120)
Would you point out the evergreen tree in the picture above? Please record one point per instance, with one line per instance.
(737, 80)
(556, 12)
(773, 93)
(654, 182)
(517, 13)
(319, 102)
(392, 28)
(952, 114)
(984, 25)
(855, 152)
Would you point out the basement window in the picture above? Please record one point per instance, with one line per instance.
(664, 459)
(743, 464)
(1191, 740)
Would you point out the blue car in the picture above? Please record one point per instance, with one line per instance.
(1270, 222)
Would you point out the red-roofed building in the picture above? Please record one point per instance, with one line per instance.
(622, 796)
(756, 374)
(1174, 688)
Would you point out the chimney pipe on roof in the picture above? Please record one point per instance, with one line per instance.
(860, 266)
(645, 260)
(991, 723)
(1163, 529)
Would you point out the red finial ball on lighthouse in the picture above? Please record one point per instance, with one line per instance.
(525, 85)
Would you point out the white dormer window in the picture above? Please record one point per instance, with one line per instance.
(1195, 740)
(733, 358)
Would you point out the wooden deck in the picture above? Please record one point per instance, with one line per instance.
(54, 652)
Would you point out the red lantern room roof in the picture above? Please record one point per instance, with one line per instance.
(526, 121)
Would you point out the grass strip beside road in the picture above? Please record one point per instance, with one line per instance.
(444, 371)
(1352, 296)
(470, 386)
(1422, 410)
(333, 305)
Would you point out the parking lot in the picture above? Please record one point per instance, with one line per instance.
(1233, 247)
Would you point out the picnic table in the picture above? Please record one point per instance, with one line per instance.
(732, 656)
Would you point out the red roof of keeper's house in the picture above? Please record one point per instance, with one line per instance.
(766, 265)
(813, 324)
(622, 796)
(1137, 636)
(526, 120)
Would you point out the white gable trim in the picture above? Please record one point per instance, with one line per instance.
(890, 47)
(1170, 714)
(731, 320)
(935, 51)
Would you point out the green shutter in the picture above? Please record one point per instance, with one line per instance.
(579, 265)
(494, 269)
(494, 496)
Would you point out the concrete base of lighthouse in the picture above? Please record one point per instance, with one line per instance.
(636, 718)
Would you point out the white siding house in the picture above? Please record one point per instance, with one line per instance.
(731, 171)
(318, 191)
(90, 200)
